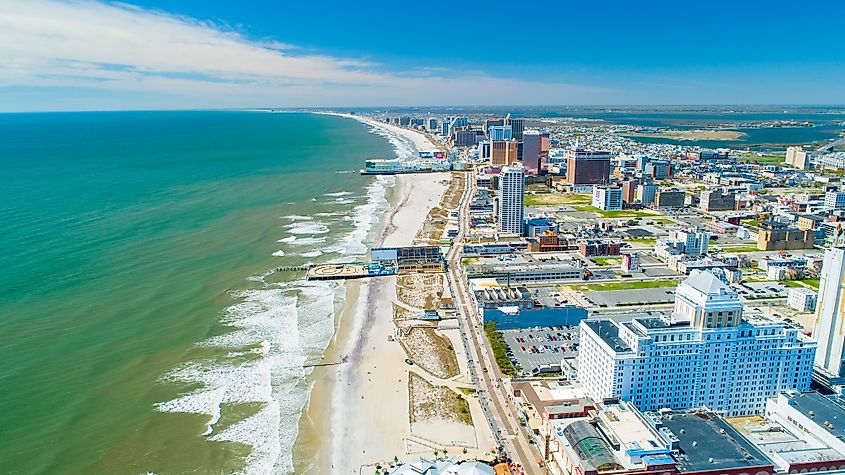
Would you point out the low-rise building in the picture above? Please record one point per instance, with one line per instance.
(834, 200)
(599, 247)
(550, 241)
(521, 268)
(801, 299)
(619, 439)
(775, 236)
(669, 199)
(806, 222)
(631, 262)
(804, 432)
(538, 226)
(719, 199)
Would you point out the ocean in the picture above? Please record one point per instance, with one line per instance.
(142, 328)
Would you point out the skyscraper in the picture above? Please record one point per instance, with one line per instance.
(503, 152)
(511, 190)
(500, 132)
(517, 126)
(535, 151)
(828, 329)
(490, 123)
(585, 167)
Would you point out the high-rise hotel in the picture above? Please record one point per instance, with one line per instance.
(511, 200)
(829, 328)
(706, 354)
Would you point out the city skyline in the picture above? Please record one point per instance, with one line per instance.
(93, 55)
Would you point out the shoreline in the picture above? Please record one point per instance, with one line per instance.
(340, 402)
(420, 141)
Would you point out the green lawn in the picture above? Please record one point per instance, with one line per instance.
(625, 213)
(468, 261)
(814, 283)
(648, 284)
(762, 158)
(662, 221)
(553, 199)
(740, 249)
(646, 241)
(606, 260)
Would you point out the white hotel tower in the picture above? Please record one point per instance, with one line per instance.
(511, 199)
(829, 328)
(706, 354)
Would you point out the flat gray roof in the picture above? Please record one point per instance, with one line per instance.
(823, 408)
(707, 442)
(609, 332)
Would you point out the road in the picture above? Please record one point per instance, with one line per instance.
(483, 368)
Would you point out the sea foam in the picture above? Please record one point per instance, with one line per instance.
(273, 332)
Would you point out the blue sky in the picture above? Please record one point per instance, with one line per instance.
(78, 54)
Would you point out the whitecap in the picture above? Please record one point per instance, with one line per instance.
(287, 239)
(297, 217)
(284, 328)
(308, 241)
(314, 253)
(279, 253)
(307, 228)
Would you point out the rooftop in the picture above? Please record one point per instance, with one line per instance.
(707, 442)
(820, 409)
(609, 333)
(773, 439)
(707, 283)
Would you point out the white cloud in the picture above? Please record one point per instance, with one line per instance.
(180, 61)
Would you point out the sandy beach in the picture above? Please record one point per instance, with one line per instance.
(359, 412)
(420, 140)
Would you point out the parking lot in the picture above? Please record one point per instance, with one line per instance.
(612, 298)
(761, 290)
(542, 349)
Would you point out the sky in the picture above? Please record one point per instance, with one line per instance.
(185, 54)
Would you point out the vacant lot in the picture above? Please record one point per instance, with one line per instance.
(554, 199)
(648, 284)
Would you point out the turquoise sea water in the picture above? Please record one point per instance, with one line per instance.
(140, 326)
